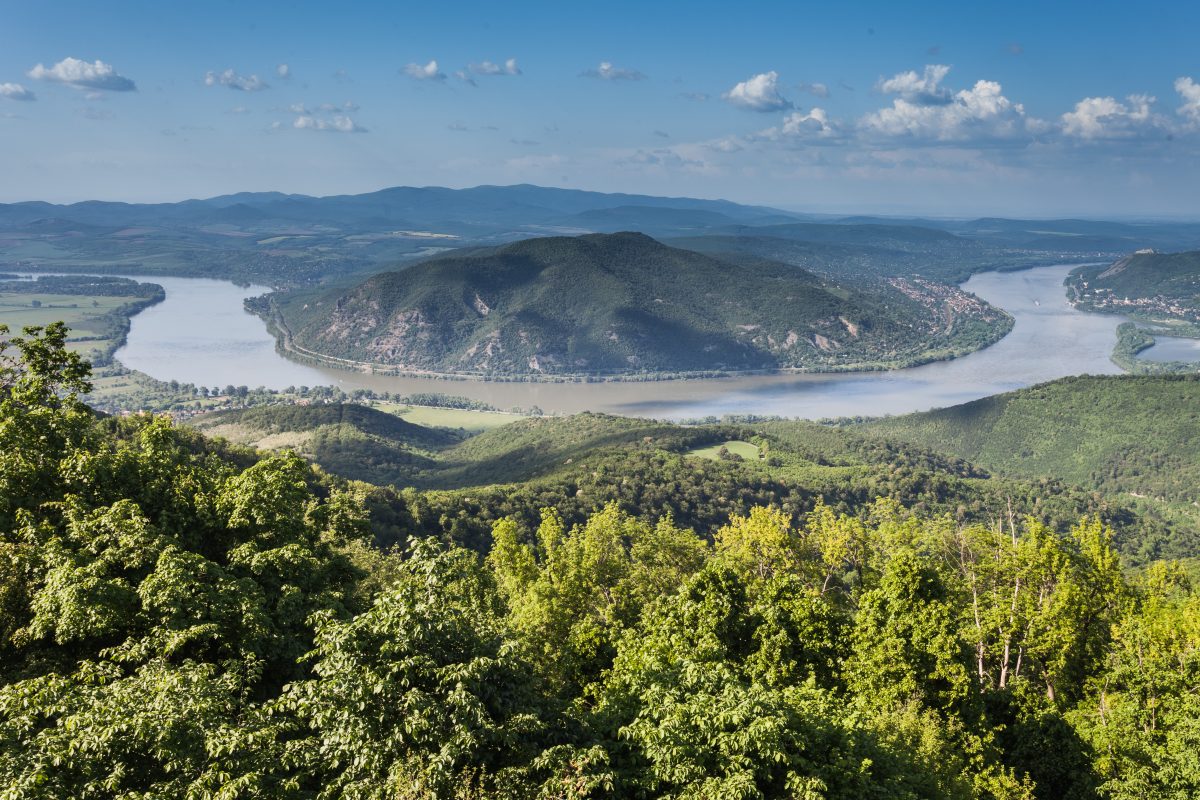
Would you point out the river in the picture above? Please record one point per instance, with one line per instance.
(201, 334)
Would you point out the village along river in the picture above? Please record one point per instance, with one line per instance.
(201, 334)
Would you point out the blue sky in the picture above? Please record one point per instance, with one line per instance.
(954, 109)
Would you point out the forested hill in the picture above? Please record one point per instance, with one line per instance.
(1145, 282)
(579, 463)
(179, 618)
(1133, 435)
(624, 303)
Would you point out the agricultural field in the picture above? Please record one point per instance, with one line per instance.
(96, 311)
(744, 450)
(467, 419)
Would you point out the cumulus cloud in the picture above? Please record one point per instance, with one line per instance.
(84, 75)
(760, 93)
(339, 123)
(1189, 90)
(15, 91)
(426, 72)
(509, 67)
(1108, 118)
(926, 110)
(813, 126)
(283, 71)
(323, 108)
(607, 72)
(920, 89)
(232, 80)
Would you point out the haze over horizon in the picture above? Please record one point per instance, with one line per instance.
(1016, 111)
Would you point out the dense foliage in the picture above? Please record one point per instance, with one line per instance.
(1124, 435)
(581, 463)
(183, 619)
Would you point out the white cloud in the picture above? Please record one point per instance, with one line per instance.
(607, 72)
(1189, 90)
(463, 76)
(15, 91)
(814, 124)
(427, 72)
(336, 124)
(920, 89)
(1108, 118)
(323, 108)
(230, 79)
(815, 89)
(760, 93)
(283, 72)
(927, 111)
(84, 75)
(509, 67)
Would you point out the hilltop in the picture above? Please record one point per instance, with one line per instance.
(625, 303)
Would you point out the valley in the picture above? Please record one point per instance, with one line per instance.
(599, 401)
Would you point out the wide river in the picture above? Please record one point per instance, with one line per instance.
(201, 334)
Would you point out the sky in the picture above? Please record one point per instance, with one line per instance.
(946, 109)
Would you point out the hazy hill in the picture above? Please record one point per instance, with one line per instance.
(1158, 283)
(851, 260)
(621, 303)
(477, 208)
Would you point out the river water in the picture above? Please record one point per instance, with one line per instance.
(201, 334)
(1172, 348)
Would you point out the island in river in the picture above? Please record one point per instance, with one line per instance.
(202, 335)
(624, 305)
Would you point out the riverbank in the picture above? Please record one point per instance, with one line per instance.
(1133, 340)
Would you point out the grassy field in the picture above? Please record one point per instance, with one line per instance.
(746, 450)
(84, 315)
(456, 418)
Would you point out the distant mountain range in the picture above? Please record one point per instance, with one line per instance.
(625, 303)
(456, 211)
(289, 239)
(491, 208)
